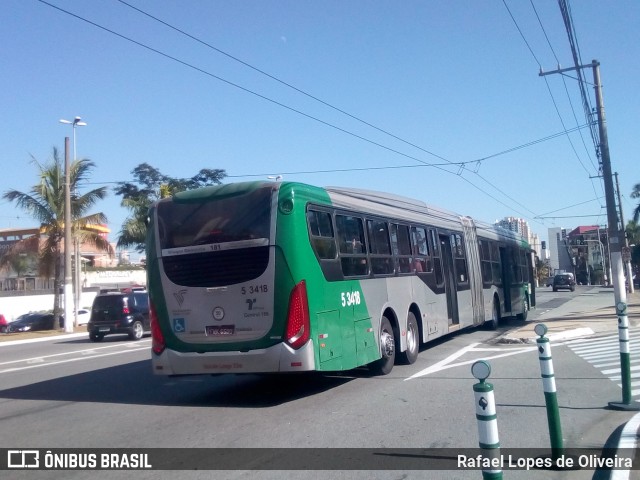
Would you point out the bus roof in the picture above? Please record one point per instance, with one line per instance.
(402, 207)
(376, 202)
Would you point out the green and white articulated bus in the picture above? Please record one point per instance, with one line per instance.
(288, 277)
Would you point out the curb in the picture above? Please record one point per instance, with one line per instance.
(43, 339)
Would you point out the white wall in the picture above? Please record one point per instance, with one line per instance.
(14, 306)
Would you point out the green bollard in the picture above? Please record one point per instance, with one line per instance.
(627, 403)
(487, 418)
(550, 396)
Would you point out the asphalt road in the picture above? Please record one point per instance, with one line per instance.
(72, 393)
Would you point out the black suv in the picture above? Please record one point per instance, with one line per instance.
(116, 312)
(564, 280)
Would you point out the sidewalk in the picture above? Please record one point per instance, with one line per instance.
(592, 312)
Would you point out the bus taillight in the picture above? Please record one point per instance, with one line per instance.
(298, 326)
(157, 338)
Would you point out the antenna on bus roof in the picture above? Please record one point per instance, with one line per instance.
(277, 178)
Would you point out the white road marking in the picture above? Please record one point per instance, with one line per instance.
(446, 363)
(68, 360)
(81, 352)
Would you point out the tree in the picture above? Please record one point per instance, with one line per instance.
(633, 236)
(636, 194)
(45, 202)
(543, 269)
(21, 263)
(148, 186)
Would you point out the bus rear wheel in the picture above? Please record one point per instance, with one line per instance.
(495, 315)
(525, 308)
(387, 349)
(410, 355)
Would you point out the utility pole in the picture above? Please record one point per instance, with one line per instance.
(615, 243)
(76, 122)
(68, 287)
(626, 252)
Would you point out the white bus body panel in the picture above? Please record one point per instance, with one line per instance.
(278, 358)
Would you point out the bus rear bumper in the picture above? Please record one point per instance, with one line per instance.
(278, 358)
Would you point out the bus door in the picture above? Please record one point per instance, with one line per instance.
(451, 289)
(530, 278)
(507, 278)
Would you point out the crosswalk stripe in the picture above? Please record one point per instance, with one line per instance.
(603, 353)
(597, 349)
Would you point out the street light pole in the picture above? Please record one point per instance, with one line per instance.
(77, 121)
(68, 287)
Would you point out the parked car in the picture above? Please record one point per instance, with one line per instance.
(32, 321)
(116, 312)
(83, 316)
(564, 280)
(3, 324)
(548, 282)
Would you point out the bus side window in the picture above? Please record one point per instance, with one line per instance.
(321, 232)
(524, 266)
(496, 263)
(401, 247)
(437, 260)
(459, 257)
(421, 255)
(516, 274)
(350, 235)
(485, 259)
(379, 248)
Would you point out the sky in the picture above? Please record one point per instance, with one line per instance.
(436, 100)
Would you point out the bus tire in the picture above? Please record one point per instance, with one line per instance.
(494, 323)
(525, 308)
(410, 355)
(384, 365)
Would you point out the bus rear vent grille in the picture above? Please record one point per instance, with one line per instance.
(216, 269)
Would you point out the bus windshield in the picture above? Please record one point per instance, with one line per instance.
(213, 221)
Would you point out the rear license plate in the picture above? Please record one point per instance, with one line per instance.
(104, 329)
(220, 330)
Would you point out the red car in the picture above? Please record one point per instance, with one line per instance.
(3, 323)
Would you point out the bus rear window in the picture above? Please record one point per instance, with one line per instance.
(215, 220)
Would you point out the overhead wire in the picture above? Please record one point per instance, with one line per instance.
(565, 9)
(555, 104)
(461, 164)
(571, 206)
(282, 82)
(247, 90)
(553, 100)
(189, 65)
(564, 82)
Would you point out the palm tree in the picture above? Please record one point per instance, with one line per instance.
(636, 194)
(45, 202)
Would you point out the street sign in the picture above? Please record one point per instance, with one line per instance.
(626, 254)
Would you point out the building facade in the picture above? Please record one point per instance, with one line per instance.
(21, 273)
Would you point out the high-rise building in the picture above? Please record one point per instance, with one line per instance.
(516, 225)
